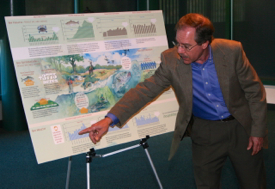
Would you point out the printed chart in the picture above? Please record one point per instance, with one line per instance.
(143, 25)
(145, 119)
(40, 34)
(78, 29)
(112, 26)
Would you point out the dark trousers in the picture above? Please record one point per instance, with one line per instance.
(212, 143)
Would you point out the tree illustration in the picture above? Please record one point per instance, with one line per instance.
(55, 62)
(58, 59)
(71, 59)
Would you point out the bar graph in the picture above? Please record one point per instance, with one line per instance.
(43, 34)
(112, 27)
(115, 32)
(143, 25)
(144, 28)
(149, 118)
(72, 129)
(74, 135)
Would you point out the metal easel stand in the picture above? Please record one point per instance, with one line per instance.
(68, 173)
(143, 142)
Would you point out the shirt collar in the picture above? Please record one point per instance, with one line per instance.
(210, 57)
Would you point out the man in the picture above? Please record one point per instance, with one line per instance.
(219, 94)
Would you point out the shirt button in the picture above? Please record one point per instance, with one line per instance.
(221, 116)
(209, 94)
(217, 105)
(206, 83)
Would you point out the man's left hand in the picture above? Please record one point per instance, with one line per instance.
(256, 143)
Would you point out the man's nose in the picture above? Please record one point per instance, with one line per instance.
(181, 50)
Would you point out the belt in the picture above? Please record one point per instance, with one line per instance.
(229, 118)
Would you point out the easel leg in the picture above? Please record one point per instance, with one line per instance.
(153, 167)
(88, 175)
(69, 172)
(89, 156)
(143, 143)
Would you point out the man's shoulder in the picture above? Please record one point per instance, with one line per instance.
(172, 52)
(225, 43)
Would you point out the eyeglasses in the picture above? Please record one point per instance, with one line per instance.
(184, 46)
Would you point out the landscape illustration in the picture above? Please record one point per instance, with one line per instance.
(91, 83)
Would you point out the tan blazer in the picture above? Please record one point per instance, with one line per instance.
(241, 87)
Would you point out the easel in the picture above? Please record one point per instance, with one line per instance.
(92, 154)
(68, 173)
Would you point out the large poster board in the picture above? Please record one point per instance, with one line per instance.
(71, 69)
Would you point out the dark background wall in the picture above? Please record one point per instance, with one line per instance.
(40, 7)
(254, 25)
(109, 5)
(35, 7)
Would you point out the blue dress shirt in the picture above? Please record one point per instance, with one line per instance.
(113, 118)
(208, 102)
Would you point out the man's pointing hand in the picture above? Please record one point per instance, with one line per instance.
(97, 130)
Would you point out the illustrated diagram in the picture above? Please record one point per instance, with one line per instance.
(74, 135)
(71, 132)
(78, 29)
(126, 126)
(148, 118)
(112, 27)
(143, 25)
(40, 33)
(144, 29)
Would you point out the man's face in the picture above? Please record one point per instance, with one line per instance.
(186, 38)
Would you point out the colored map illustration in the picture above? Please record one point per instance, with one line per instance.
(90, 82)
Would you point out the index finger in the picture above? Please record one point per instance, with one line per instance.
(84, 131)
(254, 150)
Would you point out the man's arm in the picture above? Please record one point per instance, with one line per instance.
(255, 94)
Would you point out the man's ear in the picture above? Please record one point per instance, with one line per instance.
(205, 44)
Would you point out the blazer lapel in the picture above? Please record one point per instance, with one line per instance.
(184, 73)
(221, 65)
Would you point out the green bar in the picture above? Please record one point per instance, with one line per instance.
(228, 20)
(142, 4)
(12, 110)
(76, 6)
(153, 5)
(13, 113)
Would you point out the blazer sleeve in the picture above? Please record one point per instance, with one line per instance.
(254, 93)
